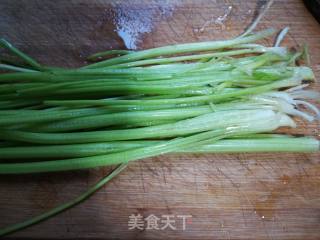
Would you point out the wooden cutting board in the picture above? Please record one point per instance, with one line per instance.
(229, 196)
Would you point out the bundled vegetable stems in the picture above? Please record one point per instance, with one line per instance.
(179, 98)
(218, 96)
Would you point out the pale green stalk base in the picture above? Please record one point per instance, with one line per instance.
(274, 143)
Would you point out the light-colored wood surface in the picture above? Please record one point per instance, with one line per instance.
(230, 196)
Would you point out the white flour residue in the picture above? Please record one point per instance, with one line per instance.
(132, 22)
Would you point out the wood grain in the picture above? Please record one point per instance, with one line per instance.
(230, 196)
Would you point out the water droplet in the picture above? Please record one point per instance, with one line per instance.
(218, 21)
(221, 19)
